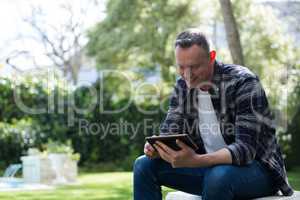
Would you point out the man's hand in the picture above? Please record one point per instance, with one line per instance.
(150, 151)
(186, 157)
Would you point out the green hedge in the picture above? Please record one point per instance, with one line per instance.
(20, 130)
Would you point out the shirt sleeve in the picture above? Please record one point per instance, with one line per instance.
(173, 123)
(251, 103)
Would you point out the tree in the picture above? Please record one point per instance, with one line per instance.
(232, 32)
(140, 34)
(64, 48)
(61, 43)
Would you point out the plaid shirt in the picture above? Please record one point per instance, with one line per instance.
(245, 120)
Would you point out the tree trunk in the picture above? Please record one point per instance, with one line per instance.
(232, 32)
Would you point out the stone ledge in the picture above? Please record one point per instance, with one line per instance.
(187, 196)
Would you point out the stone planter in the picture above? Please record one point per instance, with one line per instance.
(57, 165)
(37, 169)
(51, 169)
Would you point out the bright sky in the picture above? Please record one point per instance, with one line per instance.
(12, 13)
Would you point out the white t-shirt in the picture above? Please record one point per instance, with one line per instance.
(208, 124)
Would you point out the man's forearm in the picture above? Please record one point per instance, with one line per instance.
(222, 156)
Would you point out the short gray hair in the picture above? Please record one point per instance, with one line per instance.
(190, 37)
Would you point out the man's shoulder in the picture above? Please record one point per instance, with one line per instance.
(237, 72)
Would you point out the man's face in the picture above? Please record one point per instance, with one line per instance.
(194, 65)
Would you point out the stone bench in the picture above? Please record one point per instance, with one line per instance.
(187, 196)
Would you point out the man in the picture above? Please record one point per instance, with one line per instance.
(225, 110)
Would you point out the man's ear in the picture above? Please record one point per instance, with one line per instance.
(212, 56)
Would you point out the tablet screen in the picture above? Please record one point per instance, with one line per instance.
(170, 140)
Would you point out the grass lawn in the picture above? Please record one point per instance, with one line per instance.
(108, 186)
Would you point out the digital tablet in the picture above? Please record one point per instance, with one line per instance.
(170, 140)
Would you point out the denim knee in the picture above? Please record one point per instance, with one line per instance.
(142, 164)
(217, 182)
(145, 182)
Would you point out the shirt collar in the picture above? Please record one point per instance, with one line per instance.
(216, 79)
(217, 72)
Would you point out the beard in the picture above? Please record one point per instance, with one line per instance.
(199, 84)
(195, 82)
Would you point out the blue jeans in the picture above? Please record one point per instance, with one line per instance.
(225, 182)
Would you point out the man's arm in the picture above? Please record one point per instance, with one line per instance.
(222, 156)
(251, 106)
(187, 157)
(173, 123)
